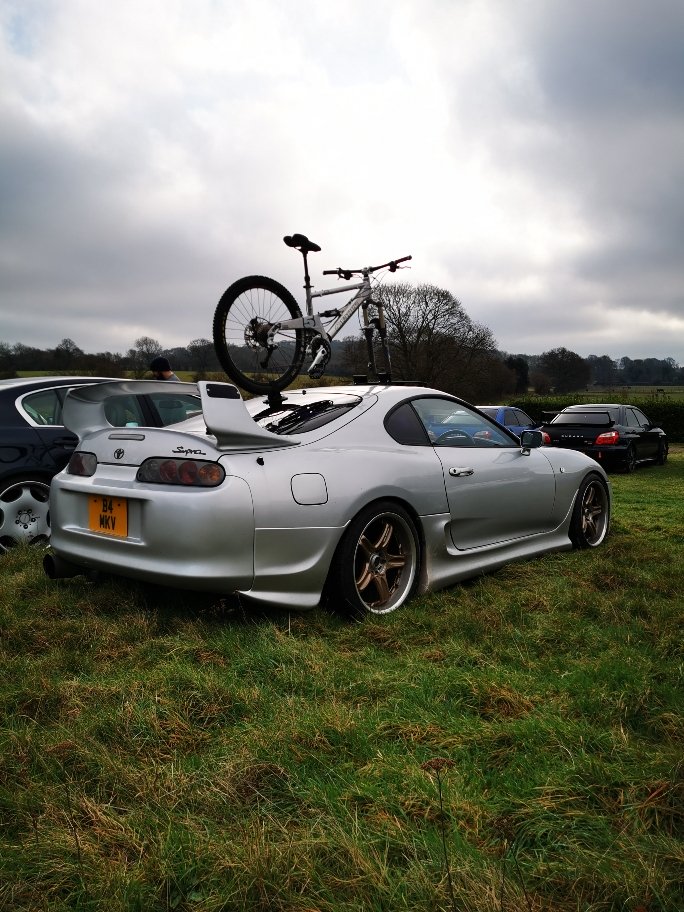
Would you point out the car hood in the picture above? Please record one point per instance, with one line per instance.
(225, 416)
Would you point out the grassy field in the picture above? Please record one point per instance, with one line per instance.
(514, 743)
(637, 394)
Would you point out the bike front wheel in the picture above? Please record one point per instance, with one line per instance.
(242, 321)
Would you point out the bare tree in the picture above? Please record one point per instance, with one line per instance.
(146, 350)
(568, 370)
(432, 339)
(67, 355)
(202, 354)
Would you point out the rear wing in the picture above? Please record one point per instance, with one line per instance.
(583, 419)
(224, 412)
(229, 421)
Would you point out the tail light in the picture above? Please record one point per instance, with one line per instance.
(608, 438)
(190, 473)
(546, 438)
(83, 464)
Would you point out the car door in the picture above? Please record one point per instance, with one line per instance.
(495, 492)
(648, 440)
(43, 410)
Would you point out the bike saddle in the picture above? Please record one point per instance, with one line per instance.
(302, 243)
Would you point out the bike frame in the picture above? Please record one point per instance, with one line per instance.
(312, 321)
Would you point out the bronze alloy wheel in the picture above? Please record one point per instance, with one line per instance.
(591, 515)
(377, 564)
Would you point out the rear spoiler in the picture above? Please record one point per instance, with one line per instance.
(229, 421)
(223, 410)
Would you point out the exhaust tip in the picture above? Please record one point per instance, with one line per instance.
(57, 568)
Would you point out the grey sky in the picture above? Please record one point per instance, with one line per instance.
(529, 155)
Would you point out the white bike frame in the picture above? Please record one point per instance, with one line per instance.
(312, 321)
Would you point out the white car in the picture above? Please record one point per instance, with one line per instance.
(345, 492)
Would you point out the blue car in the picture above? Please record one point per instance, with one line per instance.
(513, 419)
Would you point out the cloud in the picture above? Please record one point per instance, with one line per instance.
(529, 156)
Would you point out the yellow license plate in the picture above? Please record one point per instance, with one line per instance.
(108, 515)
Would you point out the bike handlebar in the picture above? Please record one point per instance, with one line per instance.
(346, 274)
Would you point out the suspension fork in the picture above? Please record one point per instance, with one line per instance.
(369, 328)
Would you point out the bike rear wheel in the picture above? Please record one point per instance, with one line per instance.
(242, 320)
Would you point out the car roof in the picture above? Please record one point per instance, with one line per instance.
(594, 405)
(21, 383)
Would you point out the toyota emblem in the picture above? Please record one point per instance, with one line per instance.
(118, 454)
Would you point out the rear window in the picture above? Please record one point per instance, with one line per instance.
(296, 419)
(591, 418)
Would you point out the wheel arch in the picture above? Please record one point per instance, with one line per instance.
(415, 518)
(589, 477)
(15, 477)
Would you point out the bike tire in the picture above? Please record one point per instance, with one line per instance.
(237, 336)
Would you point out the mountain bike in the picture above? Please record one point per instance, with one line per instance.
(262, 338)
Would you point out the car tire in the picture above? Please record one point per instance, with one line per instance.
(24, 511)
(630, 462)
(663, 450)
(377, 564)
(591, 513)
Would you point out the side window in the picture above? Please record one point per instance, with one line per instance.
(641, 418)
(524, 419)
(42, 407)
(632, 419)
(405, 427)
(124, 411)
(175, 408)
(510, 418)
(451, 424)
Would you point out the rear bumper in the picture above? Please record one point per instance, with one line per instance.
(195, 539)
(609, 457)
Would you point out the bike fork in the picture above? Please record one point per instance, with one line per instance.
(369, 328)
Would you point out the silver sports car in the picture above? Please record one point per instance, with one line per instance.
(364, 494)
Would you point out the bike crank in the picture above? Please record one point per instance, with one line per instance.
(322, 352)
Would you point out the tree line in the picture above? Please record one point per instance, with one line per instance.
(431, 339)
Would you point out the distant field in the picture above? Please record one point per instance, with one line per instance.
(512, 744)
(631, 393)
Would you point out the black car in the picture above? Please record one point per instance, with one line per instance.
(618, 436)
(34, 445)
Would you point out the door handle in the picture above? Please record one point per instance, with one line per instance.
(460, 472)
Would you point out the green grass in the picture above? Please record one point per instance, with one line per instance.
(163, 750)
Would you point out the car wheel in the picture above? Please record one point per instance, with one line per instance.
(630, 460)
(24, 512)
(376, 567)
(591, 514)
(663, 450)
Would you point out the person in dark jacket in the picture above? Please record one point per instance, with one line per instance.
(161, 369)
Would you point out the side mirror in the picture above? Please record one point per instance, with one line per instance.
(530, 440)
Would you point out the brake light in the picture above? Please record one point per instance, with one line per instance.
(546, 438)
(193, 473)
(609, 438)
(83, 464)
